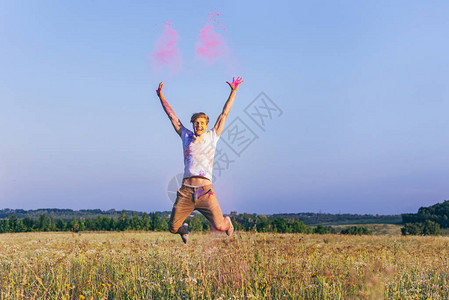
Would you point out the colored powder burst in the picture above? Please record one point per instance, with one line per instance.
(214, 18)
(166, 51)
(210, 44)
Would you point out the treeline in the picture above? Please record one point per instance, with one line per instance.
(159, 222)
(341, 219)
(262, 223)
(427, 221)
(438, 213)
(68, 214)
(422, 228)
(152, 221)
(307, 218)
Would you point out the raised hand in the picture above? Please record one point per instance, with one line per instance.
(159, 90)
(235, 83)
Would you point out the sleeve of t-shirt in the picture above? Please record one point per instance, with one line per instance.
(215, 135)
(184, 133)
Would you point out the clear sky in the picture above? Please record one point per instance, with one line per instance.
(361, 91)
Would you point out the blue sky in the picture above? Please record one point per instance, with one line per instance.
(363, 89)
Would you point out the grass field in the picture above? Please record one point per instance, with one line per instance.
(140, 265)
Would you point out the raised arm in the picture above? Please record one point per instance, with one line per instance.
(219, 125)
(169, 110)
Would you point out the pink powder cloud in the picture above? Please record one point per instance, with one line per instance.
(210, 44)
(166, 51)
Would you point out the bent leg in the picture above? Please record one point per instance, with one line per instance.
(207, 204)
(182, 208)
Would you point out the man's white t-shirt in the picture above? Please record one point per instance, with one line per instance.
(199, 153)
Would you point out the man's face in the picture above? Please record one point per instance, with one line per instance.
(200, 126)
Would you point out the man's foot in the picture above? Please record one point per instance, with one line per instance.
(183, 231)
(231, 228)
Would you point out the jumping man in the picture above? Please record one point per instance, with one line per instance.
(196, 192)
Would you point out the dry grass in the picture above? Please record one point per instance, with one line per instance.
(138, 265)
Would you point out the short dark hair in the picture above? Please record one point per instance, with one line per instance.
(199, 115)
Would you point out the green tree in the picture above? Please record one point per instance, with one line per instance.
(28, 223)
(355, 230)
(106, 223)
(299, 227)
(155, 222)
(163, 225)
(6, 227)
(123, 222)
(42, 222)
(196, 222)
(51, 223)
(60, 225)
(13, 223)
(145, 220)
(74, 225)
(426, 228)
(82, 225)
(430, 228)
(20, 227)
(135, 222)
(262, 224)
(279, 225)
(320, 229)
